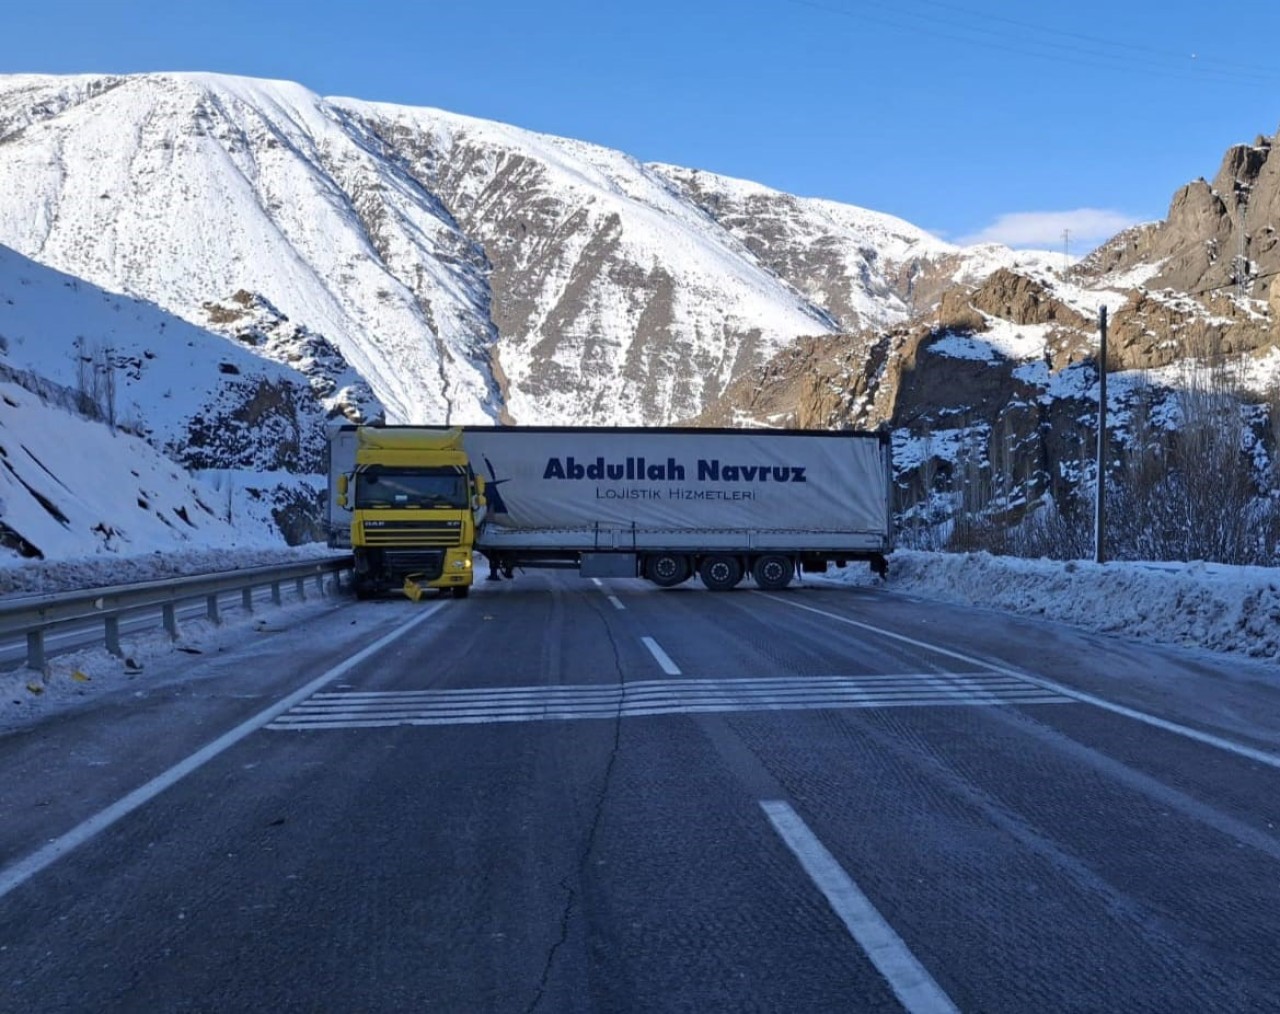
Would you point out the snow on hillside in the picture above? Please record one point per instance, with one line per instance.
(863, 267)
(70, 487)
(854, 250)
(977, 262)
(1002, 340)
(207, 402)
(167, 374)
(622, 236)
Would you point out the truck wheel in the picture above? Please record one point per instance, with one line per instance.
(461, 592)
(773, 572)
(667, 569)
(720, 572)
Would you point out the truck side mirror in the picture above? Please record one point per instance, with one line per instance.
(342, 491)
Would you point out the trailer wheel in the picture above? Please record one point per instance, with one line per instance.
(720, 572)
(667, 570)
(773, 572)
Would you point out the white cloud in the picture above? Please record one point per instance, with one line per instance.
(1043, 229)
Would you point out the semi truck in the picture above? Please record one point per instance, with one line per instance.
(412, 504)
(661, 504)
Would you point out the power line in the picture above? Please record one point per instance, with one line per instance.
(1267, 71)
(1128, 57)
(1233, 283)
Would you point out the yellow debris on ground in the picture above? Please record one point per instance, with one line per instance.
(412, 589)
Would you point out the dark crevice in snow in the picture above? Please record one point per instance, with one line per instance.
(40, 498)
(44, 468)
(9, 539)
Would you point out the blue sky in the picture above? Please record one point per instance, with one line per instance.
(971, 118)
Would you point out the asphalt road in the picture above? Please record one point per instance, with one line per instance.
(564, 796)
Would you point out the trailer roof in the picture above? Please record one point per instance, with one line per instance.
(882, 435)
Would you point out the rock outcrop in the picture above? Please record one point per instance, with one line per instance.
(1197, 247)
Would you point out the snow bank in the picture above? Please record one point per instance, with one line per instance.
(99, 572)
(1213, 606)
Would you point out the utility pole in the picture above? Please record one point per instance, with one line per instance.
(1099, 508)
(1066, 250)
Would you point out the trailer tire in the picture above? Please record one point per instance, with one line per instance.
(667, 570)
(720, 572)
(773, 572)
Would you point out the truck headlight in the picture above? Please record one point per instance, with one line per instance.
(461, 564)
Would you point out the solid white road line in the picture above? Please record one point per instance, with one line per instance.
(617, 604)
(597, 582)
(23, 870)
(910, 981)
(664, 660)
(1239, 749)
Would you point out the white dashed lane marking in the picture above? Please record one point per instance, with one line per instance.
(664, 660)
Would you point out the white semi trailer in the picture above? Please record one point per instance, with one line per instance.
(666, 504)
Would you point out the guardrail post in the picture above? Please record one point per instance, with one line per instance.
(112, 624)
(35, 649)
(35, 620)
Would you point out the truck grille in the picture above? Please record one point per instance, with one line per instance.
(429, 563)
(413, 533)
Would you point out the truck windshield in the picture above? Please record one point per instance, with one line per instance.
(409, 487)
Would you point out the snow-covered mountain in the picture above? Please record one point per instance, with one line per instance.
(184, 189)
(466, 270)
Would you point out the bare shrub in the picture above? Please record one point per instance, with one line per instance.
(1189, 491)
(95, 382)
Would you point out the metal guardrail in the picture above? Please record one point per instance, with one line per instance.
(36, 615)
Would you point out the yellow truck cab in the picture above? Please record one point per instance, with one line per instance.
(414, 502)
